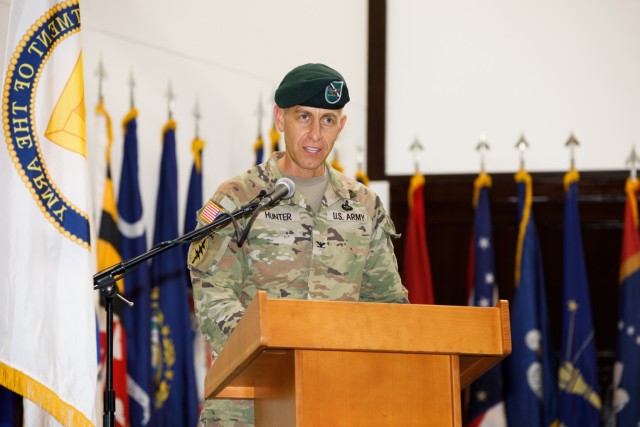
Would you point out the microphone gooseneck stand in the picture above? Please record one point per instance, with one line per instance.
(105, 282)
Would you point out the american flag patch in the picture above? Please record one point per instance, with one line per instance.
(210, 212)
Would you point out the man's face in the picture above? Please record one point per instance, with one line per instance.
(309, 135)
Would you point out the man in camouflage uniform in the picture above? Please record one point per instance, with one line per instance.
(331, 240)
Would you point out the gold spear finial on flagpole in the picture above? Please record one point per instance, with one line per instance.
(522, 145)
(632, 162)
(416, 148)
(260, 113)
(572, 143)
(197, 115)
(170, 100)
(482, 147)
(132, 85)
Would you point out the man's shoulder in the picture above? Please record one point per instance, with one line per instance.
(357, 190)
(246, 186)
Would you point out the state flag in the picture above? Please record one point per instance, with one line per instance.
(46, 298)
(579, 399)
(486, 404)
(416, 268)
(626, 369)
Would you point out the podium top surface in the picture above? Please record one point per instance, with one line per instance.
(481, 336)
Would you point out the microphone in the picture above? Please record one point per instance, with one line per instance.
(283, 189)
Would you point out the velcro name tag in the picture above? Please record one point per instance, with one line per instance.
(342, 215)
(279, 215)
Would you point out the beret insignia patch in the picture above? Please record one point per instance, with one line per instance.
(333, 92)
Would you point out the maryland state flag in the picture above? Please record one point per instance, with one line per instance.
(176, 398)
(486, 405)
(579, 401)
(194, 194)
(416, 271)
(530, 371)
(137, 283)
(201, 351)
(626, 370)
(48, 351)
(109, 255)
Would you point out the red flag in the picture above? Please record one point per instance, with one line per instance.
(416, 271)
(626, 369)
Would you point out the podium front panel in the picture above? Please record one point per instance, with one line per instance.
(315, 388)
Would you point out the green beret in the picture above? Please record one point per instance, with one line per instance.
(313, 85)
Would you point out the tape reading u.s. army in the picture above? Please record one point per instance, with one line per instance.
(340, 215)
(65, 127)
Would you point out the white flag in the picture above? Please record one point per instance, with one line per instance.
(48, 319)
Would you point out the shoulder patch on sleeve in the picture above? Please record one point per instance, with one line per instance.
(209, 212)
(197, 250)
(205, 254)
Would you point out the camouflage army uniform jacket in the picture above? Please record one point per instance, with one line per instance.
(344, 252)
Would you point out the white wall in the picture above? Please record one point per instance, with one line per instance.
(228, 55)
(544, 68)
(455, 70)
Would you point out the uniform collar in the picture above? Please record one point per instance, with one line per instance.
(337, 190)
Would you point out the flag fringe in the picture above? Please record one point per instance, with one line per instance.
(416, 181)
(362, 177)
(523, 176)
(43, 396)
(570, 177)
(483, 180)
(197, 145)
(131, 115)
(100, 109)
(631, 187)
(170, 125)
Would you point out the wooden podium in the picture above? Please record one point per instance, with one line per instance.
(332, 363)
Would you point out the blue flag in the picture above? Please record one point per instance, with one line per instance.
(176, 398)
(201, 353)
(10, 408)
(579, 401)
(626, 370)
(530, 372)
(486, 405)
(137, 285)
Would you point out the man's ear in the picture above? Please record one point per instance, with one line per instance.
(343, 121)
(278, 114)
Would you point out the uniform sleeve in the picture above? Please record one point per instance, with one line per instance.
(382, 281)
(216, 266)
